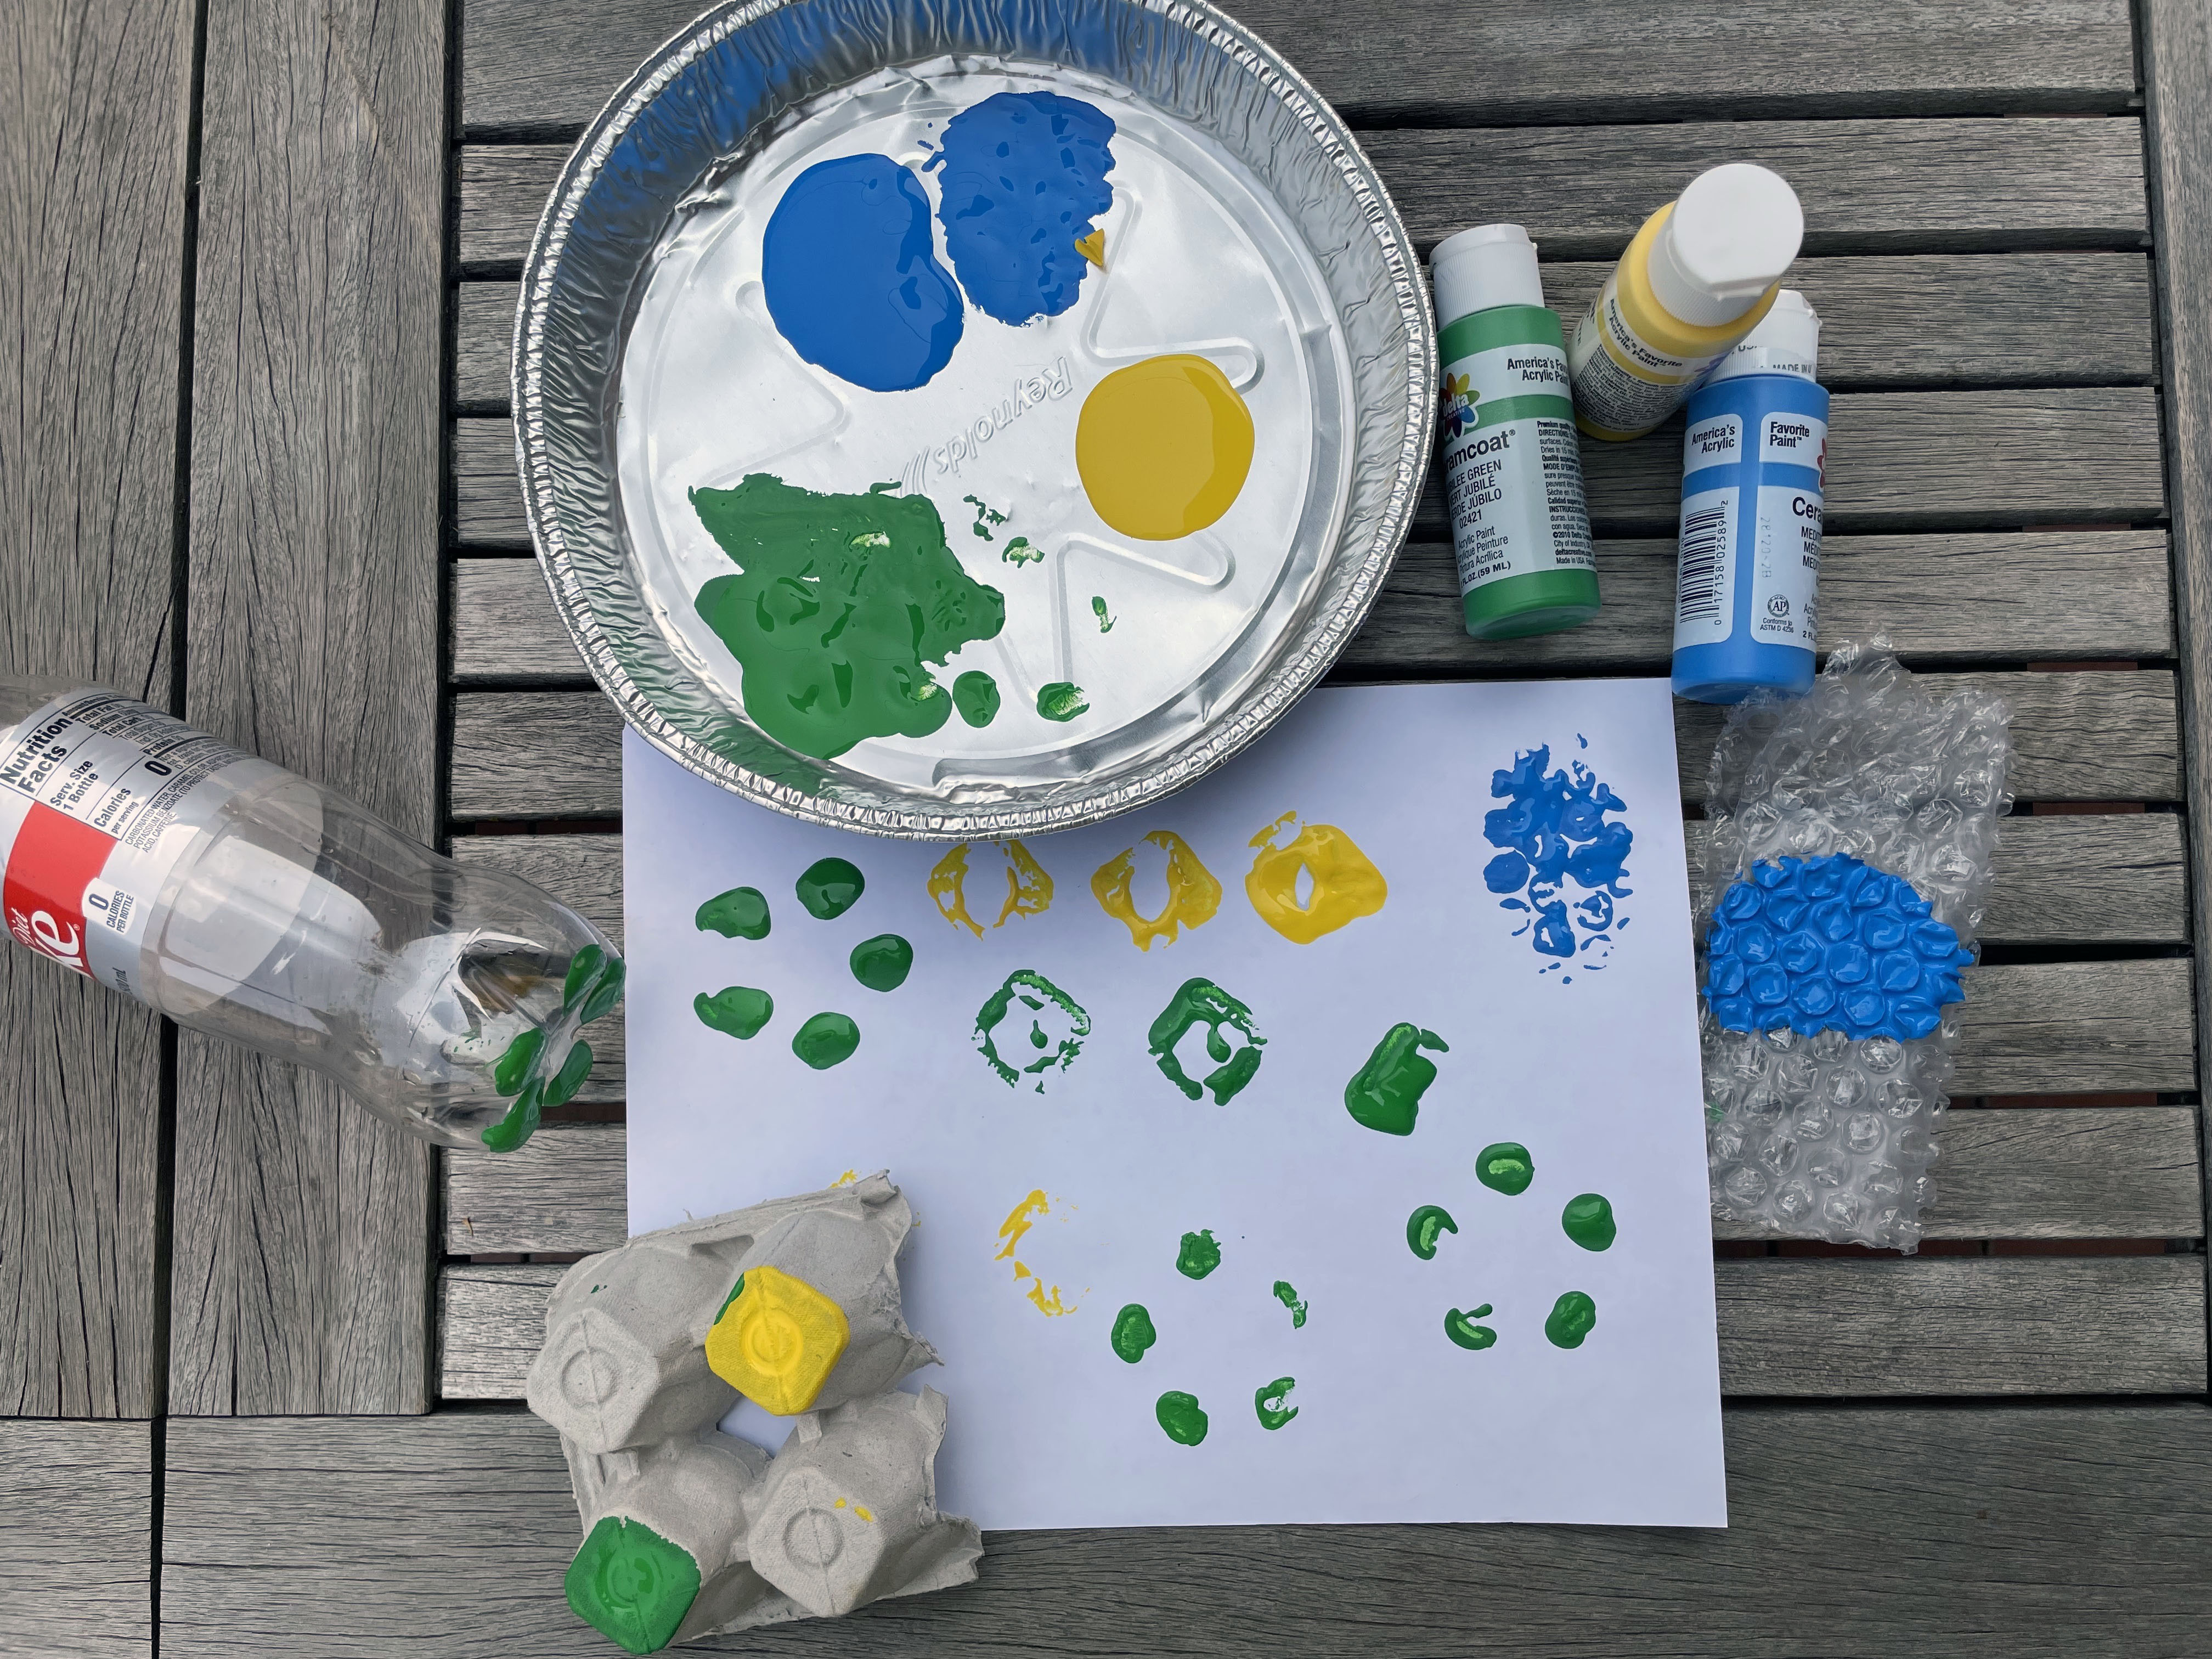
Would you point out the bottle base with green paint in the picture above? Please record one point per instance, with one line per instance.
(1537, 602)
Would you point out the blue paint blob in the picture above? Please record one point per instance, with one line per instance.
(851, 274)
(1024, 177)
(1553, 834)
(1830, 944)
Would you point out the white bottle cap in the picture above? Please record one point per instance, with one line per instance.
(1733, 233)
(1786, 342)
(1489, 265)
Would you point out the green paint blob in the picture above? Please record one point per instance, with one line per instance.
(1199, 1255)
(582, 968)
(1289, 1297)
(1385, 1094)
(1267, 1400)
(829, 887)
(1425, 1226)
(1505, 1167)
(1061, 701)
(734, 1291)
(1019, 552)
(520, 1122)
(837, 604)
(599, 999)
(1462, 1329)
(1181, 1417)
(1028, 995)
(631, 1585)
(825, 1039)
(1132, 1332)
(984, 516)
(1201, 1001)
(1574, 1317)
(1098, 610)
(739, 1010)
(975, 695)
(883, 962)
(512, 1069)
(1587, 1219)
(741, 913)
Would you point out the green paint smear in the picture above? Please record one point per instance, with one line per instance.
(1201, 1001)
(1425, 1226)
(1028, 990)
(631, 1585)
(829, 887)
(826, 1040)
(1267, 1400)
(735, 1289)
(741, 913)
(1505, 1167)
(975, 695)
(570, 1078)
(837, 604)
(1385, 1094)
(597, 998)
(1181, 1416)
(1098, 610)
(1574, 1317)
(1061, 701)
(985, 516)
(1462, 1329)
(1289, 1298)
(883, 962)
(1587, 1219)
(1019, 552)
(1199, 1255)
(1132, 1332)
(739, 1010)
(512, 1069)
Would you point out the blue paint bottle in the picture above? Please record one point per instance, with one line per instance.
(1747, 587)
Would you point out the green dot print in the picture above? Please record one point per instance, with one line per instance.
(1462, 1329)
(1505, 1168)
(1132, 1332)
(1181, 1418)
(1587, 1219)
(1199, 1255)
(1267, 1400)
(826, 1040)
(883, 962)
(739, 1010)
(1425, 1226)
(741, 913)
(1574, 1317)
(830, 887)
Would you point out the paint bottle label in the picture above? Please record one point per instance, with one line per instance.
(1705, 588)
(1777, 466)
(1623, 383)
(1786, 569)
(1513, 470)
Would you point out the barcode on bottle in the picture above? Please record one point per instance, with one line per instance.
(1705, 543)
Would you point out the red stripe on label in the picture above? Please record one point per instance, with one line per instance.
(53, 860)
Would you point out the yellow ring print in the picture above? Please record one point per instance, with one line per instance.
(1012, 1232)
(1028, 885)
(1194, 895)
(1346, 885)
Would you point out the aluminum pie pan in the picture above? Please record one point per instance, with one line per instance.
(740, 76)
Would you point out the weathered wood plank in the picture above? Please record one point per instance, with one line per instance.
(2095, 737)
(2099, 595)
(76, 1538)
(2029, 1172)
(93, 181)
(302, 1223)
(1533, 60)
(1936, 320)
(1798, 1327)
(1926, 186)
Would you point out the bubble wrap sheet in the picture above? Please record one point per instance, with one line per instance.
(1828, 1018)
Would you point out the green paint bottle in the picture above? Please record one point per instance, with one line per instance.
(1513, 470)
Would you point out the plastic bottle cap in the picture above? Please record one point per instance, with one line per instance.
(1489, 265)
(1786, 342)
(1731, 237)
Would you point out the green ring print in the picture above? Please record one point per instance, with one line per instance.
(1037, 1002)
(1201, 1002)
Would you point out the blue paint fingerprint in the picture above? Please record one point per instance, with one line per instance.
(1830, 943)
(1553, 831)
(852, 277)
(1024, 177)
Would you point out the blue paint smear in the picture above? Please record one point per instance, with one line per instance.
(1553, 831)
(852, 277)
(1830, 944)
(1024, 177)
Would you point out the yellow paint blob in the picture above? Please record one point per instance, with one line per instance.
(777, 1341)
(1093, 247)
(1028, 885)
(1346, 885)
(860, 1509)
(1012, 1232)
(1163, 446)
(1194, 895)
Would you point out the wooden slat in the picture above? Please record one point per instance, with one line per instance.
(1933, 320)
(2095, 737)
(76, 1538)
(2099, 595)
(1956, 187)
(1804, 1327)
(2025, 1172)
(302, 1223)
(1531, 59)
(92, 186)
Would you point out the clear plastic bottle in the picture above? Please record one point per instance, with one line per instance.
(241, 899)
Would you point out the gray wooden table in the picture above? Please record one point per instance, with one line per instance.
(262, 1358)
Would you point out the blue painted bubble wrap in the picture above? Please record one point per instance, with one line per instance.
(1830, 944)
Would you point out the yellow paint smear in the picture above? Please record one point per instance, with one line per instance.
(846, 1179)
(1093, 247)
(1012, 1232)
(1164, 447)
(1346, 885)
(860, 1509)
(1028, 885)
(1194, 895)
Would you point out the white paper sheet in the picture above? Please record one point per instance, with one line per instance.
(1591, 1063)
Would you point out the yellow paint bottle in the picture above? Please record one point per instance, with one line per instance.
(1699, 276)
